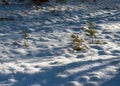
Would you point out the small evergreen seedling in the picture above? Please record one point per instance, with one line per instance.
(77, 42)
(90, 32)
(25, 36)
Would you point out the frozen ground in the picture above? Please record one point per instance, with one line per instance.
(49, 59)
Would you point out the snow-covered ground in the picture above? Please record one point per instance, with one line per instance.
(49, 58)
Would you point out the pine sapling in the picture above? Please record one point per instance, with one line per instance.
(91, 32)
(78, 42)
(25, 36)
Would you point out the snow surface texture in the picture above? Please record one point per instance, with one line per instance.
(49, 59)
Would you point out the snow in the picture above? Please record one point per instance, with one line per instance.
(49, 58)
